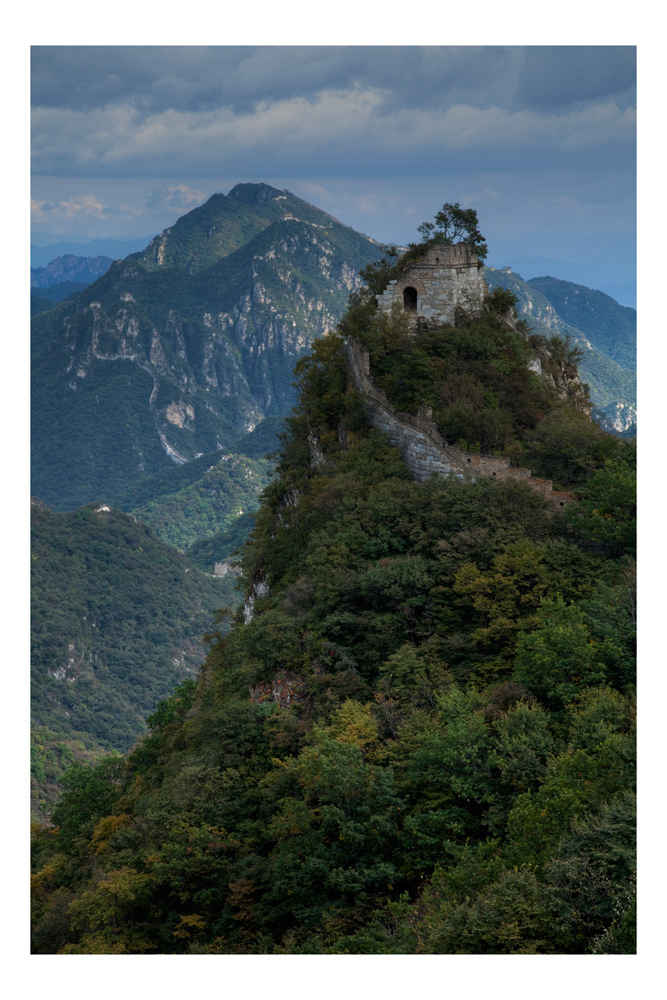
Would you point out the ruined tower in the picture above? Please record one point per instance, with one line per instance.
(429, 289)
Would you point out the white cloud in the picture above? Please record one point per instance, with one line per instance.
(342, 132)
(311, 190)
(176, 196)
(86, 206)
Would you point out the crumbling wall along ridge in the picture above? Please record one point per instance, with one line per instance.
(421, 445)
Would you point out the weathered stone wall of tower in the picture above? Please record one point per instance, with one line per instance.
(445, 278)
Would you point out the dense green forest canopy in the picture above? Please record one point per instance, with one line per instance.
(221, 489)
(418, 736)
(118, 618)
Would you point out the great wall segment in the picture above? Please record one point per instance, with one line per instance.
(421, 445)
(428, 291)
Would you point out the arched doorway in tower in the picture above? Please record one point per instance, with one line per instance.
(410, 299)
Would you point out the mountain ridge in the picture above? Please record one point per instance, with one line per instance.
(41, 254)
(219, 342)
(69, 268)
(613, 384)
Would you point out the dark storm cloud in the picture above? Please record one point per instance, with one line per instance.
(299, 111)
(556, 76)
(155, 79)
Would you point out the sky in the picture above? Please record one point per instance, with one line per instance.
(540, 140)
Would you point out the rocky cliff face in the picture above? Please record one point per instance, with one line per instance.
(563, 376)
(194, 372)
(295, 290)
(215, 346)
(605, 332)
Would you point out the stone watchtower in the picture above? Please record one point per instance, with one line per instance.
(429, 289)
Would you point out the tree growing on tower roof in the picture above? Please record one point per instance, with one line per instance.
(453, 224)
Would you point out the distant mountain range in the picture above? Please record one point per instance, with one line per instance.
(587, 273)
(605, 331)
(182, 348)
(40, 255)
(69, 268)
(63, 277)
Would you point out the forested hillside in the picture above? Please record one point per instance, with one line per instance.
(418, 736)
(198, 507)
(200, 499)
(605, 332)
(611, 328)
(117, 622)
